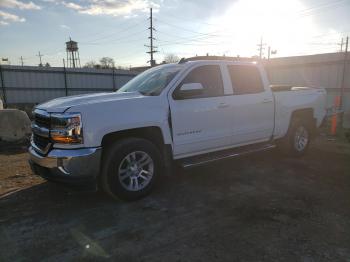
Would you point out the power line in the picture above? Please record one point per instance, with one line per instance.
(188, 30)
(303, 12)
(111, 34)
(117, 40)
(188, 42)
(307, 11)
(117, 33)
(195, 38)
(193, 41)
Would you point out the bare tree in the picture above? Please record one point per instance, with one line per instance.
(171, 58)
(107, 62)
(91, 64)
(123, 67)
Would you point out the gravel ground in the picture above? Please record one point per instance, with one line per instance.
(263, 207)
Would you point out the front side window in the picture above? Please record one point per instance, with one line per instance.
(210, 78)
(153, 81)
(245, 79)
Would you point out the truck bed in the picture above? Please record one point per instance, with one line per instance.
(291, 98)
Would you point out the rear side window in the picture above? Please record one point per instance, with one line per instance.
(245, 79)
(210, 78)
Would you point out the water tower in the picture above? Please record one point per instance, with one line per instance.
(73, 59)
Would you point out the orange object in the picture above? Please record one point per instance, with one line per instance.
(335, 115)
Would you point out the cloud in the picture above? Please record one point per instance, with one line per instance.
(3, 23)
(72, 6)
(66, 27)
(112, 7)
(5, 18)
(19, 5)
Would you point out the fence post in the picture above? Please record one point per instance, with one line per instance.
(65, 78)
(342, 90)
(113, 75)
(3, 87)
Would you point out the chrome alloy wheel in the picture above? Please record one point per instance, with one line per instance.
(136, 171)
(301, 138)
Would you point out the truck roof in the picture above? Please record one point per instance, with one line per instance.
(222, 61)
(206, 59)
(217, 58)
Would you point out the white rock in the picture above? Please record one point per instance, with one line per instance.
(14, 125)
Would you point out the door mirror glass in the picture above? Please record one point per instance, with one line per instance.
(189, 90)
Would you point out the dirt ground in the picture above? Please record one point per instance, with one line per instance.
(263, 207)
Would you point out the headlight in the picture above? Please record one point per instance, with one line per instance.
(66, 128)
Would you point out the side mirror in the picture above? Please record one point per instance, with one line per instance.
(189, 90)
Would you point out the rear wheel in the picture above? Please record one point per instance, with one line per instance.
(130, 168)
(298, 137)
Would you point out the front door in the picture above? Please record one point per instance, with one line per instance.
(200, 122)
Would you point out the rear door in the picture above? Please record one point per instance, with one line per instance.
(251, 105)
(201, 123)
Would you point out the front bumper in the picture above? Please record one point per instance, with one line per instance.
(77, 166)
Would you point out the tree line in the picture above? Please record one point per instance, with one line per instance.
(109, 63)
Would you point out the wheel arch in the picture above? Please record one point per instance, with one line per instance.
(304, 114)
(151, 133)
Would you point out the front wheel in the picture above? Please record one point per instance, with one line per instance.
(130, 168)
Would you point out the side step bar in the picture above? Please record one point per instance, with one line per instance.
(225, 154)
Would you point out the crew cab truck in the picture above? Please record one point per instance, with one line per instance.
(192, 113)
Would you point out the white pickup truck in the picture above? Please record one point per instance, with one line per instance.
(190, 113)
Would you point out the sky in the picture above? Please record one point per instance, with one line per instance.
(119, 28)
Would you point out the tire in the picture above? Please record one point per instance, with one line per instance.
(130, 168)
(298, 138)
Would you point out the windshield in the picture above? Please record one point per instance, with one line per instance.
(152, 81)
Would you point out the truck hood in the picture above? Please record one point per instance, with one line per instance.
(59, 105)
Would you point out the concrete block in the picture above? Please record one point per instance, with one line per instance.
(14, 125)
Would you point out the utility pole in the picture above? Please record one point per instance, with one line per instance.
(21, 59)
(341, 44)
(40, 55)
(344, 72)
(261, 48)
(151, 38)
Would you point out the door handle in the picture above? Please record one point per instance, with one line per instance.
(267, 100)
(222, 105)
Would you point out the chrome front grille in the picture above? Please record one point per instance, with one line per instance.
(40, 127)
(40, 141)
(42, 120)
